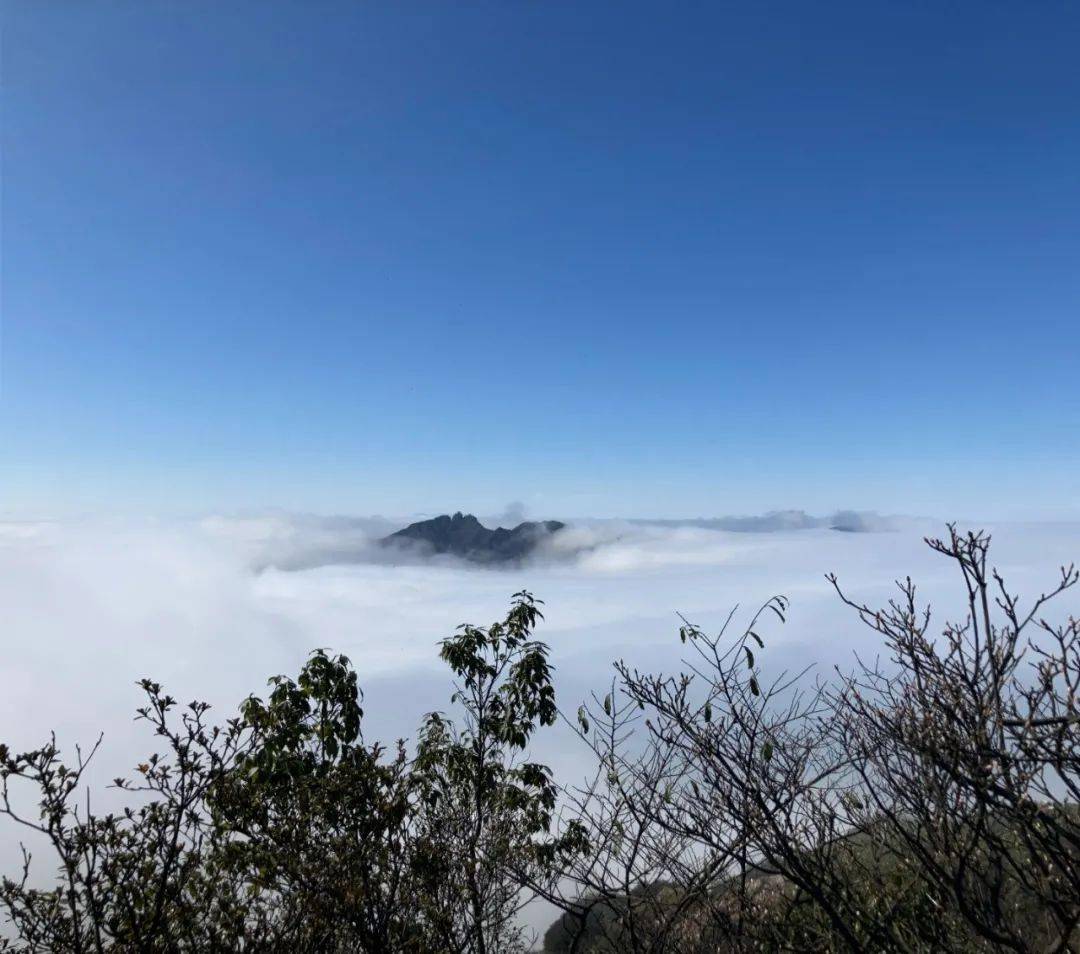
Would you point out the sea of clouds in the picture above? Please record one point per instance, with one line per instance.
(212, 607)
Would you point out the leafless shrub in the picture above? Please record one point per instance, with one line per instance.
(929, 803)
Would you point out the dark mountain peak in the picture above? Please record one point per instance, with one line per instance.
(464, 536)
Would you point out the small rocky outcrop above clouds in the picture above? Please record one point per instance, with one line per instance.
(464, 536)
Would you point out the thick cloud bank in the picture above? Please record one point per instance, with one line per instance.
(303, 542)
(212, 608)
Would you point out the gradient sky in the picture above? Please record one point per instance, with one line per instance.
(607, 259)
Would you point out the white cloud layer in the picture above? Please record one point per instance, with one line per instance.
(212, 608)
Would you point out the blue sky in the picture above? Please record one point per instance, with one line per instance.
(605, 259)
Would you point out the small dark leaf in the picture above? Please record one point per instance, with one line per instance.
(583, 719)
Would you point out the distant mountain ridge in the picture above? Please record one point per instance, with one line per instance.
(464, 536)
(850, 521)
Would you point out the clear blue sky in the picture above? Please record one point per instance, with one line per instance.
(660, 259)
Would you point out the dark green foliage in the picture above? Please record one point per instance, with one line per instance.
(285, 831)
(486, 815)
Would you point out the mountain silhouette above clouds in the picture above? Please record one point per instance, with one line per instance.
(464, 536)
